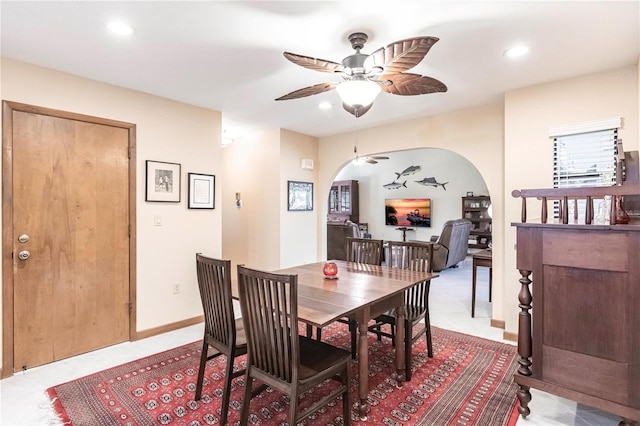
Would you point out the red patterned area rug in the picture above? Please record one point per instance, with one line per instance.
(468, 382)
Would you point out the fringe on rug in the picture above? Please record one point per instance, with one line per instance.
(49, 415)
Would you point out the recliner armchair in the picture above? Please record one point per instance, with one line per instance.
(450, 248)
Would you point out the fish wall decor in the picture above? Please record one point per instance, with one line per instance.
(431, 181)
(395, 185)
(408, 171)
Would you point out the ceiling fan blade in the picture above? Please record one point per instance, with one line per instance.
(308, 91)
(401, 55)
(371, 160)
(315, 64)
(358, 113)
(407, 84)
(379, 157)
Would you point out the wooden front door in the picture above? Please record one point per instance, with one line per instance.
(69, 235)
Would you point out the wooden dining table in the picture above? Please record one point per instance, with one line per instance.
(361, 292)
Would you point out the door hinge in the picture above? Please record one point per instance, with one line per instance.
(129, 152)
(129, 230)
(130, 307)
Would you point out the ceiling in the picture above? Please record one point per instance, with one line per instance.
(227, 55)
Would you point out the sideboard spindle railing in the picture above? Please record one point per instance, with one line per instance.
(567, 195)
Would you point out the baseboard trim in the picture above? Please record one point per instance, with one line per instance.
(497, 323)
(512, 337)
(506, 335)
(167, 327)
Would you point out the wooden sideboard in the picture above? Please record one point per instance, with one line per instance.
(579, 325)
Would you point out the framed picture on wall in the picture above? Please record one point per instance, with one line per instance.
(300, 196)
(201, 191)
(163, 182)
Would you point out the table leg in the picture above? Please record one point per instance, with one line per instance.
(400, 358)
(473, 289)
(362, 407)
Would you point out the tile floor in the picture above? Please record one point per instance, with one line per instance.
(23, 400)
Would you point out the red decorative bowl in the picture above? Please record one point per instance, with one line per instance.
(330, 270)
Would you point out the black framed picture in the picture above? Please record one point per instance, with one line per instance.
(300, 196)
(163, 181)
(202, 192)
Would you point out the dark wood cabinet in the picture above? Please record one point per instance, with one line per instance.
(586, 322)
(579, 322)
(344, 203)
(476, 209)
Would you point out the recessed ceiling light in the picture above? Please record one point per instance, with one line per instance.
(516, 51)
(120, 28)
(324, 105)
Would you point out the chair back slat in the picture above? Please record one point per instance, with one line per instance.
(214, 282)
(270, 314)
(364, 250)
(415, 256)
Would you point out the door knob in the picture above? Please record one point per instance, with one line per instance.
(24, 238)
(24, 254)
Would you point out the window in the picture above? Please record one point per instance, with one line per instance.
(585, 155)
(586, 159)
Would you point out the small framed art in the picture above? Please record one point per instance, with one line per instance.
(300, 196)
(202, 191)
(163, 182)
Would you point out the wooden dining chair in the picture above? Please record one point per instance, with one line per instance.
(366, 251)
(277, 355)
(415, 256)
(222, 331)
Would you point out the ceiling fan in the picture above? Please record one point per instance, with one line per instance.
(369, 159)
(364, 76)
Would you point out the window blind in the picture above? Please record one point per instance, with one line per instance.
(584, 159)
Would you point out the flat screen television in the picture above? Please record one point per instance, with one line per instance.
(408, 212)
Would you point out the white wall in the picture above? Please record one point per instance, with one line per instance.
(299, 230)
(262, 234)
(166, 131)
(251, 233)
(445, 166)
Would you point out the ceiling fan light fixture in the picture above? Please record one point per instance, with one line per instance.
(358, 161)
(358, 92)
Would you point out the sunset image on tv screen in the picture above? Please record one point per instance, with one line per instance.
(408, 212)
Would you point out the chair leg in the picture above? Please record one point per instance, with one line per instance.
(203, 365)
(427, 325)
(246, 399)
(346, 397)
(378, 329)
(408, 346)
(226, 390)
(310, 332)
(393, 335)
(353, 328)
(293, 406)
